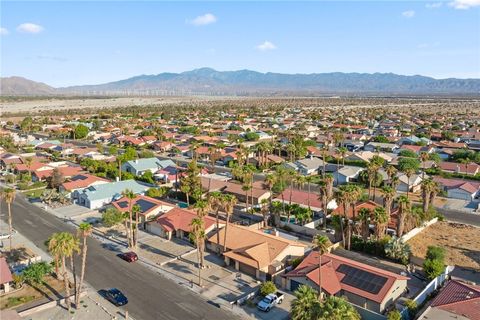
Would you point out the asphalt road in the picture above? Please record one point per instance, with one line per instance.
(150, 295)
(461, 217)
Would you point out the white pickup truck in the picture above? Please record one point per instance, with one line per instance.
(267, 303)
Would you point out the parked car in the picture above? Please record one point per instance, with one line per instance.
(115, 296)
(128, 256)
(6, 235)
(267, 303)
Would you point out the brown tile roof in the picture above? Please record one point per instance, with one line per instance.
(180, 219)
(252, 247)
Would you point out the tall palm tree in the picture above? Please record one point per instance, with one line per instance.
(9, 195)
(324, 200)
(381, 219)
(343, 199)
(364, 217)
(408, 173)
(229, 201)
(64, 245)
(136, 209)
(197, 235)
(390, 171)
(215, 203)
(270, 180)
(84, 230)
(423, 158)
(403, 211)
(388, 194)
(127, 193)
(322, 243)
(264, 210)
(342, 151)
(308, 181)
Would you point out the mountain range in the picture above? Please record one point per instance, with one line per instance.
(207, 81)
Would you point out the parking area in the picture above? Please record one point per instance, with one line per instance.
(159, 251)
(72, 211)
(279, 312)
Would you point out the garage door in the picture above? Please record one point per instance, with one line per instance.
(294, 285)
(247, 269)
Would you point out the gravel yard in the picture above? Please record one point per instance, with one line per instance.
(462, 243)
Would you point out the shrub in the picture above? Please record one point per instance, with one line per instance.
(36, 272)
(295, 262)
(435, 253)
(433, 268)
(412, 307)
(267, 287)
(394, 315)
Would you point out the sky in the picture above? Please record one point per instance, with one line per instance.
(74, 43)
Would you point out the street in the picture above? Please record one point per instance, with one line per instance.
(150, 295)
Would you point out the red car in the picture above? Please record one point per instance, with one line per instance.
(129, 256)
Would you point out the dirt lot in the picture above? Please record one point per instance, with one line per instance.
(462, 243)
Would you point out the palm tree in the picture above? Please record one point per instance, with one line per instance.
(229, 201)
(390, 171)
(324, 152)
(342, 198)
(423, 157)
(342, 151)
(381, 218)
(127, 193)
(388, 194)
(324, 200)
(215, 202)
(84, 230)
(64, 245)
(465, 162)
(197, 235)
(270, 180)
(372, 177)
(408, 173)
(136, 209)
(305, 306)
(264, 210)
(337, 308)
(364, 217)
(9, 195)
(403, 211)
(322, 243)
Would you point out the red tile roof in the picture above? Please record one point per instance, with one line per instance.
(332, 278)
(180, 219)
(300, 197)
(5, 274)
(81, 181)
(459, 298)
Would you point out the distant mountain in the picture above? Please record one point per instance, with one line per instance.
(18, 86)
(207, 81)
(246, 82)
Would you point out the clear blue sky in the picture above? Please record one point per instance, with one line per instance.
(70, 43)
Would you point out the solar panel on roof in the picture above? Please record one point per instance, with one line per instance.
(145, 205)
(362, 279)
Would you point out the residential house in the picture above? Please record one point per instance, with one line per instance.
(454, 167)
(366, 156)
(255, 252)
(67, 171)
(412, 184)
(6, 278)
(80, 182)
(139, 166)
(346, 174)
(380, 146)
(177, 223)
(97, 196)
(459, 188)
(304, 199)
(309, 166)
(369, 287)
(150, 208)
(456, 300)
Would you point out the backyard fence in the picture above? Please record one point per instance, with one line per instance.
(412, 233)
(429, 289)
